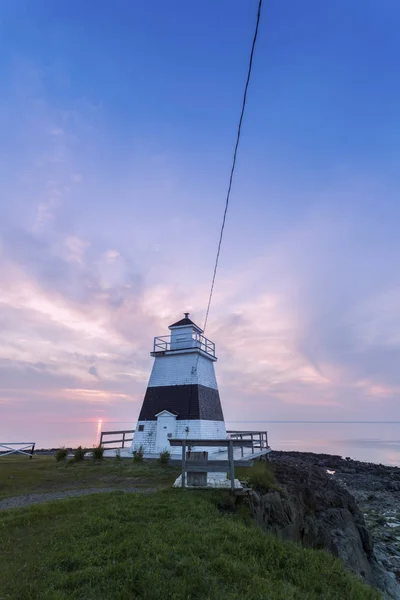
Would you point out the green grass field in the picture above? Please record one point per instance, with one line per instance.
(173, 544)
(170, 544)
(20, 475)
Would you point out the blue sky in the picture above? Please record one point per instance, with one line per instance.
(117, 124)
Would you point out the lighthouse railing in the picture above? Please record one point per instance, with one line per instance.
(166, 343)
(258, 439)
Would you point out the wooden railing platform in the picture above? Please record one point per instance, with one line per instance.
(255, 442)
(201, 464)
(122, 440)
(258, 440)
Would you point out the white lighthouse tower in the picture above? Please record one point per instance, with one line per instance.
(182, 399)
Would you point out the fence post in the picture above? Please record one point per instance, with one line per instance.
(183, 464)
(231, 465)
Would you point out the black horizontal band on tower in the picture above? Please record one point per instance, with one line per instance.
(186, 401)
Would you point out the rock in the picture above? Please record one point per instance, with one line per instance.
(319, 511)
(319, 514)
(366, 540)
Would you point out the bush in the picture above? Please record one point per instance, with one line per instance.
(164, 457)
(138, 454)
(98, 452)
(79, 453)
(118, 454)
(260, 476)
(61, 454)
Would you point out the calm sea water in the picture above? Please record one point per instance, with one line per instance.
(377, 442)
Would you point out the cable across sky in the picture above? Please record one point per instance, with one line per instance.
(239, 130)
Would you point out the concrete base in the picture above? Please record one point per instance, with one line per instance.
(123, 452)
(214, 480)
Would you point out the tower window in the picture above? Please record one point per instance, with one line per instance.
(141, 428)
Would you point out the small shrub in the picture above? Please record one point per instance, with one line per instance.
(138, 454)
(118, 454)
(79, 453)
(61, 454)
(260, 476)
(164, 457)
(98, 452)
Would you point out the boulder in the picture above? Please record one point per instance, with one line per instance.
(315, 511)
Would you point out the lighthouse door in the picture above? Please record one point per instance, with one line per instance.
(166, 425)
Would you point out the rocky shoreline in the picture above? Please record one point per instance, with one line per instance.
(376, 516)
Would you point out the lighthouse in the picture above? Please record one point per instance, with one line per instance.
(182, 398)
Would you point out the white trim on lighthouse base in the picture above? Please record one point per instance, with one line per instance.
(214, 480)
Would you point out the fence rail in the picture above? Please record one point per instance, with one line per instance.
(122, 440)
(26, 448)
(258, 440)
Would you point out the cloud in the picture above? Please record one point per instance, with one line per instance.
(111, 255)
(93, 371)
(56, 131)
(76, 177)
(75, 249)
(71, 310)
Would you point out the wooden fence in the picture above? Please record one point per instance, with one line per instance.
(258, 440)
(122, 440)
(26, 448)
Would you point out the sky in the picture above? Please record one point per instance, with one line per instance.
(118, 122)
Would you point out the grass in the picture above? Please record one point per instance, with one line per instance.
(79, 453)
(98, 453)
(20, 475)
(171, 545)
(164, 457)
(138, 454)
(61, 454)
(260, 476)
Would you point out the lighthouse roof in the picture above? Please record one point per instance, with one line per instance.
(184, 322)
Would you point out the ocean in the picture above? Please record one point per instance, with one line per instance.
(377, 442)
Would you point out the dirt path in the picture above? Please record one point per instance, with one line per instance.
(28, 499)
